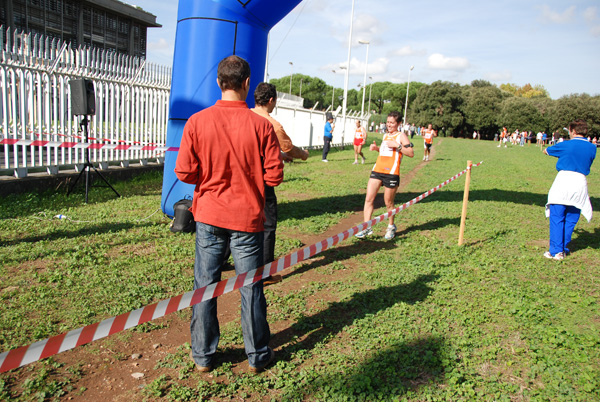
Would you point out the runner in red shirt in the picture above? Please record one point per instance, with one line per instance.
(360, 137)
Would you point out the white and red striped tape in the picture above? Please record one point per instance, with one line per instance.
(83, 145)
(48, 347)
(80, 137)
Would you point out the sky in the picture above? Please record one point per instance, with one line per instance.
(553, 43)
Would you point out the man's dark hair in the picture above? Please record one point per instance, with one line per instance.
(264, 91)
(396, 115)
(232, 72)
(579, 126)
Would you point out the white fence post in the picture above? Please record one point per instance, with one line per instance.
(131, 104)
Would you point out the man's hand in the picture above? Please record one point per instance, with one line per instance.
(373, 146)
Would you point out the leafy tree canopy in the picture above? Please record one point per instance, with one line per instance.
(454, 109)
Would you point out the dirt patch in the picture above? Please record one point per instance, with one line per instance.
(106, 368)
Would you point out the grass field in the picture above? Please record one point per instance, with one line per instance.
(417, 319)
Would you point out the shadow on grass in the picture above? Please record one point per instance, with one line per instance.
(302, 209)
(387, 375)
(81, 232)
(403, 365)
(585, 239)
(344, 252)
(337, 316)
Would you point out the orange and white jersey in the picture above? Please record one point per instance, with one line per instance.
(428, 136)
(389, 159)
(360, 134)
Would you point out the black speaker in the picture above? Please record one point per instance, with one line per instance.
(83, 99)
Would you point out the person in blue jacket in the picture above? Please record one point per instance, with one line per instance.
(568, 197)
(327, 137)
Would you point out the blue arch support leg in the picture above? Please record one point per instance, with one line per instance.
(207, 32)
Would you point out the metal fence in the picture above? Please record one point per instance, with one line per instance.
(132, 102)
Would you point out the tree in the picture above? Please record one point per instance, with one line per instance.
(521, 114)
(481, 84)
(481, 109)
(526, 91)
(440, 104)
(575, 106)
(313, 89)
(377, 95)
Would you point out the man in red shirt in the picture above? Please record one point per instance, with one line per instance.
(229, 153)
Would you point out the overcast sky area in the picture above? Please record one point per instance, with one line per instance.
(554, 43)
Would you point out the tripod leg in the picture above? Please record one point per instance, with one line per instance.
(87, 181)
(105, 181)
(75, 182)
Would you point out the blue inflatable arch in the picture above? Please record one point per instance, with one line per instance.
(207, 32)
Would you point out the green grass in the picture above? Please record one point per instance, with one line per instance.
(417, 319)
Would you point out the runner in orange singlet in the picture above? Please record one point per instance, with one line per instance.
(428, 135)
(386, 172)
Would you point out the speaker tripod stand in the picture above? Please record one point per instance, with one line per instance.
(88, 165)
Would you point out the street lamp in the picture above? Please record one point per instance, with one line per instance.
(362, 108)
(332, 93)
(291, 75)
(406, 103)
(345, 104)
(370, 87)
(345, 92)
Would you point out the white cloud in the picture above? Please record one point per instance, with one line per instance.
(440, 62)
(407, 51)
(590, 14)
(555, 17)
(357, 67)
(367, 27)
(162, 44)
(499, 76)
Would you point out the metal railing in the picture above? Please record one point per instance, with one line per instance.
(131, 95)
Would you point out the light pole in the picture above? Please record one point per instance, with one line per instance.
(332, 93)
(345, 91)
(370, 87)
(291, 75)
(300, 95)
(406, 103)
(345, 103)
(362, 108)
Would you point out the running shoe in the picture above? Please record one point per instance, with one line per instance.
(390, 233)
(558, 256)
(364, 233)
(324, 160)
(363, 160)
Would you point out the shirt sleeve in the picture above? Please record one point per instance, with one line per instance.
(273, 163)
(285, 141)
(187, 166)
(555, 150)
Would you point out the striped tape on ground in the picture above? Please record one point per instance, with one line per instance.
(51, 346)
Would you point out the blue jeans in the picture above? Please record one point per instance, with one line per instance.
(563, 219)
(247, 252)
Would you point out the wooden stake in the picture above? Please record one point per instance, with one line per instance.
(465, 202)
